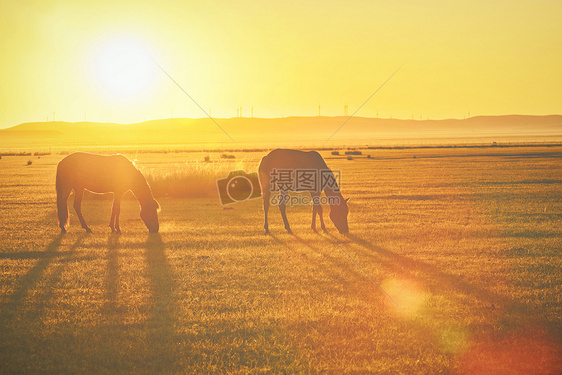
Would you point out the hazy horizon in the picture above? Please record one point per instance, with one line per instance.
(299, 131)
(277, 118)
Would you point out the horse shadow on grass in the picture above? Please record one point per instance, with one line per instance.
(112, 279)
(345, 270)
(345, 280)
(34, 276)
(155, 336)
(160, 276)
(160, 273)
(432, 277)
(160, 324)
(511, 313)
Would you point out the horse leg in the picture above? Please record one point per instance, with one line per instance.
(62, 207)
(112, 220)
(319, 211)
(283, 208)
(115, 210)
(313, 225)
(314, 209)
(266, 194)
(78, 195)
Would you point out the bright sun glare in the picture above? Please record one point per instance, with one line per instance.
(122, 69)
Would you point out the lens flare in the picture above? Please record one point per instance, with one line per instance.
(407, 293)
(454, 339)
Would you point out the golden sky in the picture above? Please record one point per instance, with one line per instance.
(281, 58)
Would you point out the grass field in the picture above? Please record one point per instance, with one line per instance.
(452, 265)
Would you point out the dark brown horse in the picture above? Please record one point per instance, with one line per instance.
(103, 174)
(281, 160)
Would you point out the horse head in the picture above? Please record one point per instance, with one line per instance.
(338, 215)
(149, 214)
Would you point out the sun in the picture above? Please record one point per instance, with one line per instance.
(122, 69)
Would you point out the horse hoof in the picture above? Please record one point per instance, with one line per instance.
(88, 230)
(62, 231)
(314, 230)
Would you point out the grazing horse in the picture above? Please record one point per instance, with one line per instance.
(103, 174)
(285, 161)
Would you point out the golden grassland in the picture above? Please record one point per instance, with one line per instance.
(466, 242)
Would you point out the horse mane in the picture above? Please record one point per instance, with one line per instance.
(141, 188)
(328, 190)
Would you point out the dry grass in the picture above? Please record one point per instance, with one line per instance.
(191, 179)
(465, 241)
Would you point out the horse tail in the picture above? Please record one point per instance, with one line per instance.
(62, 201)
(263, 177)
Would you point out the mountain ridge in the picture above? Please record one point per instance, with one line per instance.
(313, 129)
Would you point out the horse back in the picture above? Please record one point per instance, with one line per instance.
(291, 159)
(97, 173)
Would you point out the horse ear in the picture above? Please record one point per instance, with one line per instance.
(347, 200)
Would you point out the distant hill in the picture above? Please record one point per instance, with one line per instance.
(273, 131)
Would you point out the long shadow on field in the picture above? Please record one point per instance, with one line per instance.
(335, 268)
(33, 277)
(432, 277)
(345, 267)
(336, 285)
(515, 313)
(159, 272)
(160, 324)
(112, 279)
